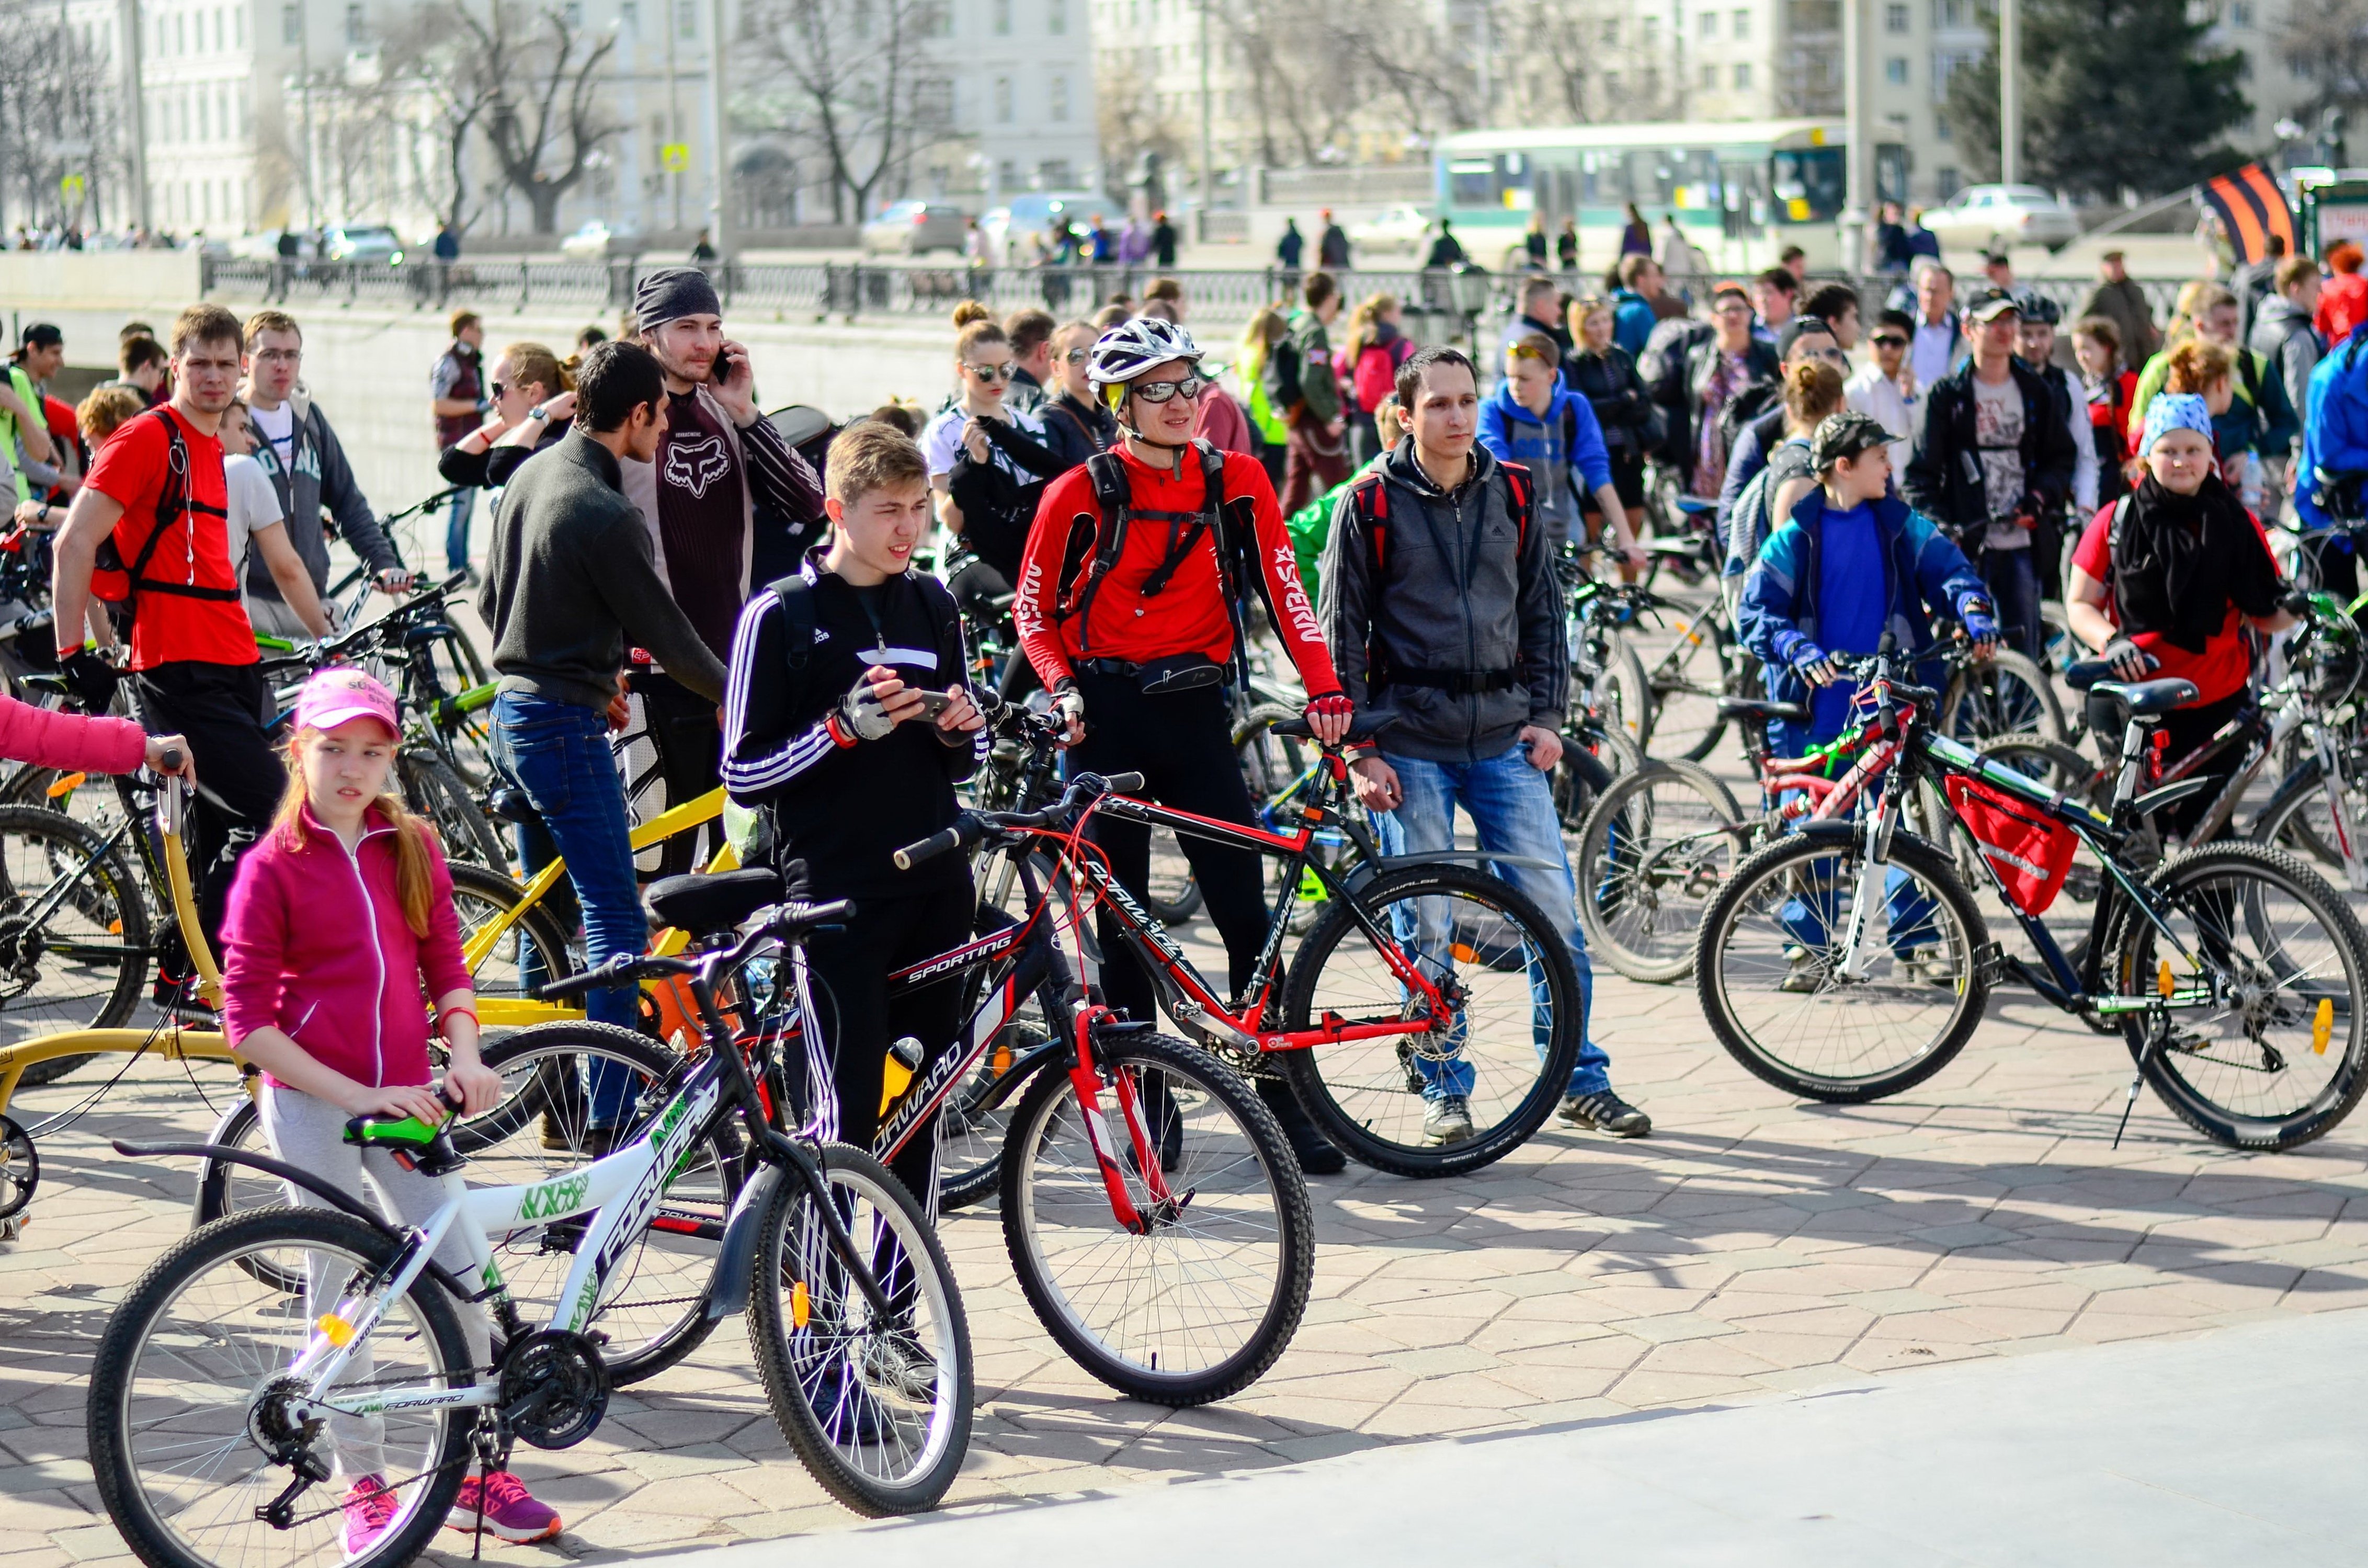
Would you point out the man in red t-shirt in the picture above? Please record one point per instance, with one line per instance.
(193, 660)
(1142, 648)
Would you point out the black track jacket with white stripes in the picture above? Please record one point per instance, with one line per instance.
(844, 808)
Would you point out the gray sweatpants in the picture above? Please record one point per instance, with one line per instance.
(310, 1134)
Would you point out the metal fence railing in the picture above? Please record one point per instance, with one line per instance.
(856, 290)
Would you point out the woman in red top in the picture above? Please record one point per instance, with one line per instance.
(2190, 569)
(2343, 299)
(1139, 650)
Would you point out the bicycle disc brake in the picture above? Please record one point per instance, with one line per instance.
(554, 1388)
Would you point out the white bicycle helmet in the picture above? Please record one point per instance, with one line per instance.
(1130, 348)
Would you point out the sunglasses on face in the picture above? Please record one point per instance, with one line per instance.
(1887, 341)
(1075, 356)
(1160, 391)
(500, 391)
(992, 372)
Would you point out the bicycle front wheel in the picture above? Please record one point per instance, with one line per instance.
(878, 1407)
(2007, 694)
(1652, 853)
(436, 792)
(2279, 1055)
(2298, 818)
(1501, 1037)
(74, 933)
(1687, 681)
(1197, 1303)
(191, 1381)
(532, 950)
(1792, 1003)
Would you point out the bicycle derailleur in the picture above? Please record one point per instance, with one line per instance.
(286, 1425)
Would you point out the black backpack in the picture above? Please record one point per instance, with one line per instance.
(1094, 543)
(116, 583)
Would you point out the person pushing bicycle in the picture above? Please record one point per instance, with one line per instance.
(846, 718)
(1130, 590)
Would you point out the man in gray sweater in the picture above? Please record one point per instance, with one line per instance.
(569, 581)
(1440, 603)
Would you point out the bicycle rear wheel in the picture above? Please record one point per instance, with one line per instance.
(1687, 681)
(571, 1093)
(2280, 1056)
(2008, 694)
(1506, 1042)
(532, 951)
(1652, 853)
(431, 789)
(878, 1408)
(1770, 969)
(187, 1385)
(2298, 820)
(1197, 1306)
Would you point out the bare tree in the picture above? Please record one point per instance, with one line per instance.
(1130, 118)
(541, 80)
(855, 80)
(453, 84)
(2325, 42)
(60, 115)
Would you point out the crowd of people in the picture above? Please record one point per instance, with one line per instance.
(1396, 510)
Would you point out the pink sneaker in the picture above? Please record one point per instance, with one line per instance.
(510, 1511)
(369, 1509)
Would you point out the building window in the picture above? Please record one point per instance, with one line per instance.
(1058, 99)
(1946, 181)
(1710, 75)
(291, 24)
(2240, 14)
(357, 26)
(1056, 17)
(238, 29)
(2244, 68)
(1950, 13)
(1003, 101)
(180, 35)
(1742, 24)
(1894, 18)
(629, 16)
(1611, 31)
(1709, 24)
(572, 12)
(1652, 32)
(1743, 76)
(1941, 129)
(686, 18)
(1002, 14)
(1895, 70)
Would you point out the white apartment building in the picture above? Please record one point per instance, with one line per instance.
(261, 114)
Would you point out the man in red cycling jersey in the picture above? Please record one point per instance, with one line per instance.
(1127, 592)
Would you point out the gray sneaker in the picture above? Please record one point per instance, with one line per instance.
(1447, 1120)
(1604, 1112)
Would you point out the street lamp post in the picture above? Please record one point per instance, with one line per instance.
(1208, 164)
(127, 14)
(1858, 166)
(2010, 91)
(719, 126)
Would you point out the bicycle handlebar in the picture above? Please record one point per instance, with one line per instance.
(796, 917)
(972, 826)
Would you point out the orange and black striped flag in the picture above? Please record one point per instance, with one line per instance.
(2253, 207)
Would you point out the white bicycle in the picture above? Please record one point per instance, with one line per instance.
(229, 1414)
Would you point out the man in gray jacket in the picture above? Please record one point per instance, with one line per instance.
(1441, 607)
(2283, 330)
(570, 581)
(307, 465)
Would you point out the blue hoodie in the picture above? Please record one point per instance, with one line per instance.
(1550, 447)
(1632, 320)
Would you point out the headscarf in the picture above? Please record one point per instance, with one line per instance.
(2174, 411)
(2182, 559)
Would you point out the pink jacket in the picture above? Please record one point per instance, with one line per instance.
(315, 945)
(49, 738)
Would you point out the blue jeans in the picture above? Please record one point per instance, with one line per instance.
(1511, 807)
(456, 531)
(557, 754)
(2013, 580)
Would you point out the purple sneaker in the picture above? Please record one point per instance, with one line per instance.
(510, 1511)
(369, 1509)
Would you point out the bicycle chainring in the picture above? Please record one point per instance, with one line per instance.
(554, 1388)
(21, 945)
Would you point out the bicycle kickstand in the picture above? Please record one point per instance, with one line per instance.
(2157, 1039)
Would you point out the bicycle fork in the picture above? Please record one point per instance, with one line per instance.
(1084, 1081)
(2331, 779)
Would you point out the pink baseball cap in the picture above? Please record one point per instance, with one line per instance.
(334, 696)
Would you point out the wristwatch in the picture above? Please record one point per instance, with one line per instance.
(537, 413)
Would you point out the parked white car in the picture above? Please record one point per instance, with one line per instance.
(362, 241)
(914, 228)
(1404, 227)
(1983, 216)
(596, 240)
(1032, 212)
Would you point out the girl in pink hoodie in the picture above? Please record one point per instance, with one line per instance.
(340, 920)
(74, 743)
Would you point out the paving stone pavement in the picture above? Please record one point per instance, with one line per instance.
(1752, 1247)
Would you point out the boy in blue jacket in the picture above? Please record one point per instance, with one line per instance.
(1852, 562)
(1533, 419)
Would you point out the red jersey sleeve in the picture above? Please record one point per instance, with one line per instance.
(1037, 596)
(129, 468)
(1294, 615)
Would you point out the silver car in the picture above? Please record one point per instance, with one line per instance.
(914, 227)
(1989, 217)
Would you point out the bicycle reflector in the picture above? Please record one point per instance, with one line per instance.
(2162, 981)
(335, 1329)
(800, 1303)
(2322, 1024)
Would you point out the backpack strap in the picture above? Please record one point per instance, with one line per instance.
(1086, 561)
(172, 507)
(796, 596)
(2113, 534)
(1523, 487)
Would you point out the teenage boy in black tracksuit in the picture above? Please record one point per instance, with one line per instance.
(823, 728)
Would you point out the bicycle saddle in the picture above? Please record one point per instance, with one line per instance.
(2146, 697)
(706, 903)
(1763, 710)
(1365, 727)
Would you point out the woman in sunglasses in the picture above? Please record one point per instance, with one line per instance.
(533, 405)
(987, 460)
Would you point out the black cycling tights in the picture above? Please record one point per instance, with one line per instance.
(1183, 746)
